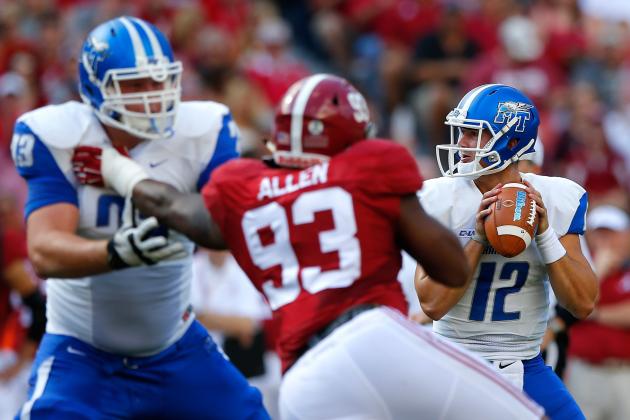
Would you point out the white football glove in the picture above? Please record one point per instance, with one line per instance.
(134, 245)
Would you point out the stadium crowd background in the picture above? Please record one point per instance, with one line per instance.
(412, 59)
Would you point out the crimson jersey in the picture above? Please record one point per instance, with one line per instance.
(320, 240)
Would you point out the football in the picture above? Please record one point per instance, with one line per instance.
(511, 225)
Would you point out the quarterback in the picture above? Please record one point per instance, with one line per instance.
(501, 311)
(121, 339)
(318, 228)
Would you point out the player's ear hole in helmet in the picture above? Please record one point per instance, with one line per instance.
(318, 117)
(510, 118)
(128, 75)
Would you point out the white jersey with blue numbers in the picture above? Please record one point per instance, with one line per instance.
(136, 311)
(503, 314)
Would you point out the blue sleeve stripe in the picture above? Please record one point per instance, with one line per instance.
(225, 150)
(579, 219)
(46, 182)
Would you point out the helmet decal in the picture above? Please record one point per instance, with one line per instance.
(508, 110)
(358, 103)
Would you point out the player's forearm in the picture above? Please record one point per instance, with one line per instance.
(185, 213)
(574, 285)
(66, 255)
(431, 244)
(435, 299)
(18, 279)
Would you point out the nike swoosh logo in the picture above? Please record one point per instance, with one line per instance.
(502, 366)
(158, 163)
(72, 350)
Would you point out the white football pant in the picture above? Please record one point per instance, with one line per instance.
(379, 365)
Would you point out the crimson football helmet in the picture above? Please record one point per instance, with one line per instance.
(318, 117)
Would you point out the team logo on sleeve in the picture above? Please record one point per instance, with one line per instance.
(508, 110)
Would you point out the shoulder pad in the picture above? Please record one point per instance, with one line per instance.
(238, 170)
(196, 118)
(561, 189)
(438, 194)
(565, 200)
(60, 126)
(388, 167)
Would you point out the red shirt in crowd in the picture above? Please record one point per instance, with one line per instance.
(12, 249)
(595, 342)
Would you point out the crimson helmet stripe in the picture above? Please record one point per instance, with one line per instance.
(299, 105)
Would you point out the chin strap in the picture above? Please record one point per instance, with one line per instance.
(523, 150)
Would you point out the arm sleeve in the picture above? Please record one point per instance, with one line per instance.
(225, 149)
(36, 163)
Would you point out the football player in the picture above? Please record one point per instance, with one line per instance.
(501, 311)
(319, 228)
(121, 340)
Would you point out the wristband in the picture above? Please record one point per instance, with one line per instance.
(120, 173)
(478, 238)
(549, 246)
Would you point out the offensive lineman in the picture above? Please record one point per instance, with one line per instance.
(121, 339)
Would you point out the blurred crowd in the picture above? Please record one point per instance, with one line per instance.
(412, 58)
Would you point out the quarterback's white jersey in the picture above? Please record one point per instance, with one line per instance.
(136, 311)
(503, 314)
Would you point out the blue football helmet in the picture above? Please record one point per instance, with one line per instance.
(509, 116)
(125, 49)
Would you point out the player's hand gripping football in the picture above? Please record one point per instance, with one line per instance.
(485, 208)
(543, 222)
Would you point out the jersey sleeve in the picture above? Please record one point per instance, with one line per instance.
(226, 190)
(578, 221)
(43, 169)
(385, 167)
(567, 213)
(435, 198)
(212, 197)
(225, 149)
